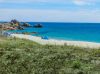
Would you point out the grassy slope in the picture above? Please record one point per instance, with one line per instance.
(20, 56)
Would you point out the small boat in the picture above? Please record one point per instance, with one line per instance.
(38, 26)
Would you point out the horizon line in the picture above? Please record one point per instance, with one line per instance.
(51, 22)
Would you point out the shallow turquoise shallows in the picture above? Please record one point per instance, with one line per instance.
(67, 31)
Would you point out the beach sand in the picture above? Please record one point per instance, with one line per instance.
(58, 42)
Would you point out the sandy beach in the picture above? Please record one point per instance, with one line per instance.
(58, 42)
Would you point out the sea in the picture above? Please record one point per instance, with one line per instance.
(66, 31)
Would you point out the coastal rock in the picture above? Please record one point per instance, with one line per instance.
(14, 21)
(20, 28)
(38, 26)
(26, 25)
(1, 26)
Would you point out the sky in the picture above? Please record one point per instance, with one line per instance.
(50, 10)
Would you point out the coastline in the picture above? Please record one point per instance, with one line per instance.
(83, 44)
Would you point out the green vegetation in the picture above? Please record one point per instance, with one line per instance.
(20, 56)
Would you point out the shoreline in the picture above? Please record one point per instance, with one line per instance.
(83, 44)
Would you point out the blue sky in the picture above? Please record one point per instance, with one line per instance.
(50, 10)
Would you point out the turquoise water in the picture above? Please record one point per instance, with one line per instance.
(67, 31)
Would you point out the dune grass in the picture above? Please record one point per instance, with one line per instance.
(20, 56)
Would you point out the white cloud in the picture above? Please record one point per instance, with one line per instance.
(76, 2)
(50, 15)
(79, 2)
(86, 2)
(29, 1)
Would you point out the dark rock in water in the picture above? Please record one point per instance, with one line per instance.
(38, 26)
(33, 32)
(26, 25)
(29, 33)
(20, 28)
